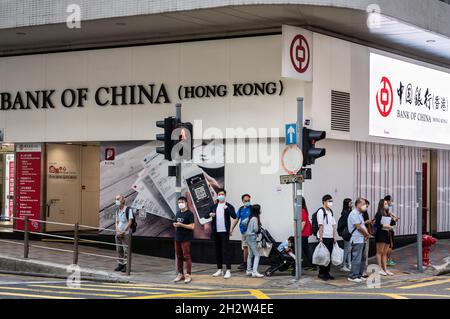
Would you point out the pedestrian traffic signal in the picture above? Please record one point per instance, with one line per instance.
(184, 142)
(310, 152)
(168, 124)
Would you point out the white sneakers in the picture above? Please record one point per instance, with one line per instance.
(218, 273)
(248, 273)
(389, 273)
(227, 274)
(179, 278)
(358, 280)
(257, 275)
(345, 268)
(382, 273)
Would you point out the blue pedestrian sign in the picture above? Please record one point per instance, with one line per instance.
(291, 134)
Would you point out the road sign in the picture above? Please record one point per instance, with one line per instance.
(292, 159)
(290, 179)
(291, 134)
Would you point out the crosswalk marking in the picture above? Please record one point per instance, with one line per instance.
(60, 292)
(425, 284)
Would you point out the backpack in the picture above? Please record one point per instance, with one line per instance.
(315, 224)
(346, 235)
(342, 223)
(133, 220)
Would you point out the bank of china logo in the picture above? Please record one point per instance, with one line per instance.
(385, 97)
(300, 54)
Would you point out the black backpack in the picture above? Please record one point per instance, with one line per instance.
(342, 223)
(315, 224)
(133, 221)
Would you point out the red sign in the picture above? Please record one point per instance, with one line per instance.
(300, 54)
(28, 188)
(110, 154)
(385, 97)
(11, 189)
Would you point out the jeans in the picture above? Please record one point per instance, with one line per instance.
(252, 253)
(222, 243)
(347, 254)
(122, 249)
(358, 261)
(183, 252)
(325, 270)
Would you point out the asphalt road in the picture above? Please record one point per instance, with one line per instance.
(23, 287)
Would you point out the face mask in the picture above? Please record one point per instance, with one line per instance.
(386, 207)
(181, 205)
(117, 202)
(247, 204)
(330, 204)
(221, 198)
(364, 208)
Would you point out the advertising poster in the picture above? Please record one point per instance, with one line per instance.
(28, 185)
(9, 186)
(136, 171)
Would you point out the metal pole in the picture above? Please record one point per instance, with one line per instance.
(298, 197)
(419, 221)
(26, 247)
(129, 253)
(75, 244)
(178, 173)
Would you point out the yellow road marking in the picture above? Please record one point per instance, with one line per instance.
(425, 284)
(136, 286)
(61, 292)
(395, 296)
(319, 292)
(258, 294)
(95, 289)
(189, 294)
(158, 285)
(3, 293)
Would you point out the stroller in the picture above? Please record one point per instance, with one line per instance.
(280, 262)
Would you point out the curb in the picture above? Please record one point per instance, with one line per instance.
(30, 267)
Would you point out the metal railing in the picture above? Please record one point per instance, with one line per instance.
(76, 240)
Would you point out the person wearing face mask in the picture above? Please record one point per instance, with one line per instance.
(222, 212)
(306, 232)
(327, 232)
(388, 198)
(243, 215)
(347, 207)
(383, 237)
(184, 233)
(359, 235)
(124, 217)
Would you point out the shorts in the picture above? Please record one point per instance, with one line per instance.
(244, 241)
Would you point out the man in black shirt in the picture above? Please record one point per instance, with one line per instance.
(184, 233)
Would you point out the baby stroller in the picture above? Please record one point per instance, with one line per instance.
(281, 262)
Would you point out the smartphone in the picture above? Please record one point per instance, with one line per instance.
(202, 198)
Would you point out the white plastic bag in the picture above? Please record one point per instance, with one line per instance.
(321, 256)
(337, 255)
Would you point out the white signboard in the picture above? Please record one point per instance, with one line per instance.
(408, 101)
(297, 55)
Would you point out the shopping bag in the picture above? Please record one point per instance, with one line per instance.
(264, 248)
(321, 256)
(337, 255)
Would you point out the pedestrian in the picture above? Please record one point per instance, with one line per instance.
(124, 216)
(359, 236)
(184, 233)
(390, 202)
(243, 215)
(222, 212)
(383, 236)
(347, 207)
(326, 233)
(368, 223)
(253, 229)
(306, 232)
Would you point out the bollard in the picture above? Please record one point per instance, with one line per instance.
(129, 254)
(75, 244)
(26, 247)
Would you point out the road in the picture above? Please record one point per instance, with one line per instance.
(18, 287)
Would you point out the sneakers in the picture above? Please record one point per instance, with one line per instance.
(218, 273)
(227, 274)
(179, 277)
(187, 278)
(257, 275)
(248, 273)
(358, 280)
(345, 268)
(124, 269)
(324, 278)
(389, 273)
(119, 268)
(390, 262)
(363, 279)
(382, 273)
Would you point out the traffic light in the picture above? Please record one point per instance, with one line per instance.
(310, 152)
(184, 142)
(168, 124)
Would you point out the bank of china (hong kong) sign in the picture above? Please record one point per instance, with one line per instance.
(297, 53)
(408, 101)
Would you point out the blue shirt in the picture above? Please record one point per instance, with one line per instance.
(354, 218)
(243, 215)
(121, 217)
(283, 246)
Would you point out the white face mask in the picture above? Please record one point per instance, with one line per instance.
(363, 208)
(330, 204)
(181, 205)
(117, 202)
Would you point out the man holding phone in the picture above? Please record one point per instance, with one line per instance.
(221, 214)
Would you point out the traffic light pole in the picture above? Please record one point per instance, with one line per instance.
(178, 173)
(298, 193)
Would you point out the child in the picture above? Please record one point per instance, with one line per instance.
(287, 247)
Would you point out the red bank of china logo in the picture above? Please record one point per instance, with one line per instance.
(385, 97)
(300, 54)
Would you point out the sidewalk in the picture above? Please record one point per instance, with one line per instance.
(146, 269)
